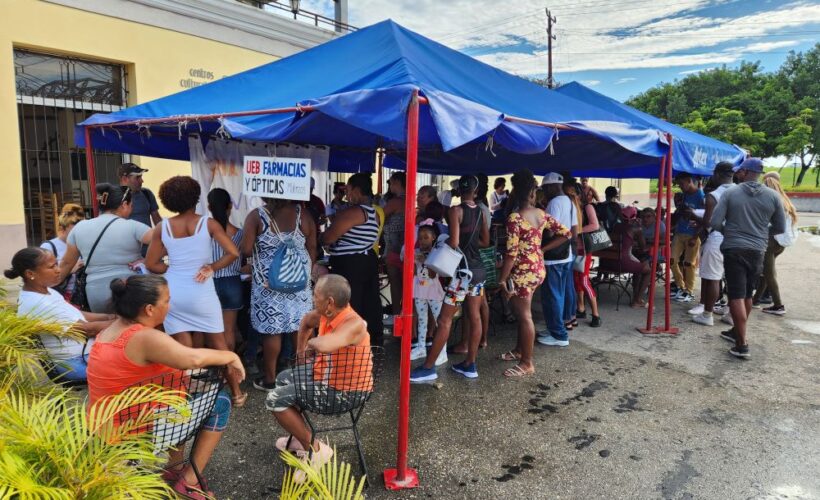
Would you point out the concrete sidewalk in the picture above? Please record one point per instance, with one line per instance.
(614, 415)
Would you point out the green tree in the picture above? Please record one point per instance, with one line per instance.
(695, 123)
(729, 126)
(800, 141)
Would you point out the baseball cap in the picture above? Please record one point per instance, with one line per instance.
(552, 178)
(130, 169)
(751, 164)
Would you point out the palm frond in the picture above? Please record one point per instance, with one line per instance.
(332, 481)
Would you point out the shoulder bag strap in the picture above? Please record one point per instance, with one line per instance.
(53, 247)
(94, 246)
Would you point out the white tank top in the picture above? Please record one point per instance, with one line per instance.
(716, 237)
(188, 254)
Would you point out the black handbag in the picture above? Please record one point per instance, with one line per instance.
(596, 240)
(79, 297)
(560, 252)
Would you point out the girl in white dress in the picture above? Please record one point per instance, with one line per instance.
(186, 239)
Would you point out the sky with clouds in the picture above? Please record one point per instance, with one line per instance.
(617, 47)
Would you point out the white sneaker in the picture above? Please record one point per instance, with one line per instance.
(705, 319)
(727, 318)
(552, 341)
(418, 352)
(442, 357)
(698, 309)
(720, 310)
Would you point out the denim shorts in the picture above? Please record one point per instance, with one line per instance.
(217, 421)
(229, 291)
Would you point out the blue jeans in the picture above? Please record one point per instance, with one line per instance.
(71, 370)
(570, 300)
(553, 298)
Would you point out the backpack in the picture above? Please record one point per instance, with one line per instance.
(288, 270)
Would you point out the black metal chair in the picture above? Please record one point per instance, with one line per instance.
(200, 387)
(337, 384)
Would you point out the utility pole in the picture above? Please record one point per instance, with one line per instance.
(550, 38)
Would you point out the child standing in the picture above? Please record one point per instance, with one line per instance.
(428, 294)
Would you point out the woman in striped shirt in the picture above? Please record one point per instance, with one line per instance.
(349, 241)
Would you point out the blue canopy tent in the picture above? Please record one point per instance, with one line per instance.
(428, 107)
(692, 152)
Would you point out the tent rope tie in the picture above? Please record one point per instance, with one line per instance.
(102, 131)
(141, 128)
(199, 124)
(552, 141)
(116, 131)
(273, 146)
(488, 146)
(221, 132)
(181, 125)
(299, 109)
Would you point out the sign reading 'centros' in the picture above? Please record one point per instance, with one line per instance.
(283, 178)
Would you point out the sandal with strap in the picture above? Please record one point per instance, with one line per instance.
(239, 401)
(517, 372)
(510, 356)
(192, 491)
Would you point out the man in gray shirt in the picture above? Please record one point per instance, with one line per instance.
(144, 203)
(743, 215)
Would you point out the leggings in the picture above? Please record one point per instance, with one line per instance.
(362, 272)
(769, 279)
(582, 283)
(422, 306)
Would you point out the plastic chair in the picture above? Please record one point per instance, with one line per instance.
(201, 388)
(344, 388)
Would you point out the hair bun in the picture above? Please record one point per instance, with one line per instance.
(118, 286)
(11, 274)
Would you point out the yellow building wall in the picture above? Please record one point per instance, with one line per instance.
(156, 61)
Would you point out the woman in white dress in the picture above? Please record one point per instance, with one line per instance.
(195, 315)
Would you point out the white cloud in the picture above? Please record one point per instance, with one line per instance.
(621, 81)
(695, 71)
(591, 83)
(662, 34)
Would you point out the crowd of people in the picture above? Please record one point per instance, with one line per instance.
(194, 290)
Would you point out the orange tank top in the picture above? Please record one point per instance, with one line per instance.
(111, 372)
(351, 367)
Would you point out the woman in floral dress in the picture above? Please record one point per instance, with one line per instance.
(523, 268)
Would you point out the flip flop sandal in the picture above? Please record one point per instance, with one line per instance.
(517, 372)
(171, 476)
(239, 401)
(568, 325)
(510, 356)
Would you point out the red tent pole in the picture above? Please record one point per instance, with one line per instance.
(92, 173)
(656, 246)
(667, 326)
(401, 477)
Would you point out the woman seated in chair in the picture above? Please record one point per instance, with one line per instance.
(40, 271)
(132, 351)
(630, 235)
(341, 332)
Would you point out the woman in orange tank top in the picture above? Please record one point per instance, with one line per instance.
(132, 350)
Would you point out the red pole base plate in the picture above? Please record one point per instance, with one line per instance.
(411, 479)
(656, 330)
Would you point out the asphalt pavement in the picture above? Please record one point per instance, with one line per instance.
(617, 414)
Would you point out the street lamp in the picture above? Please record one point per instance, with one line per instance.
(294, 7)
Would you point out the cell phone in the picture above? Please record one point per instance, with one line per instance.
(510, 285)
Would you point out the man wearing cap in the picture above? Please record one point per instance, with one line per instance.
(743, 215)
(144, 203)
(711, 258)
(555, 306)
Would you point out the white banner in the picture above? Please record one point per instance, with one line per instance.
(220, 165)
(283, 178)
